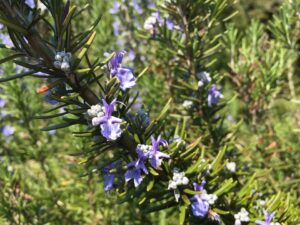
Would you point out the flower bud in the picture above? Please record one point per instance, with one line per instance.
(65, 66)
(57, 64)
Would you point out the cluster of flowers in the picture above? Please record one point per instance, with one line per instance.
(145, 152)
(178, 179)
(124, 74)
(117, 7)
(136, 167)
(155, 20)
(102, 115)
(201, 202)
(213, 96)
(242, 216)
(111, 130)
(62, 61)
(268, 219)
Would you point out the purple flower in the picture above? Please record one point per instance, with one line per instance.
(48, 99)
(116, 61)
(200, 203)
(268, 219)
(137, 7)
(30, 3)
(135, 173)
(109, 181)
(116, 27)
(1, 71)
(214, 96)
(7, 130)
(110, 125)
(111, 131)
(116, 7)
(2, 103)
(151, 21)
(126, 78)
(20, 69)
(155, 156)
(124, 75)
(5, 39)
(109, 177)
(1, 26)
(169, 24)
(3, 114)
(158, 17)
(131, 55)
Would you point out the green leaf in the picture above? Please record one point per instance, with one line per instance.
(85, 49)
(191, 147)
(192, 192)
(153, 172)
(160, 206)
(20, 75)
(194, 167)
(68, 19)
(14, 26)
(217, 161)
(49, 116)
(150, 185)
(165, 110)
(225, 186)
(221, 212)
(182, 214)
(142, 73)
(11, 57)
(274, 203)
(186, 200)
(247, 187)
(59, 126)
(108, 58)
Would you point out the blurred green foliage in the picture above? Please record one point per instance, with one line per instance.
(44, 181)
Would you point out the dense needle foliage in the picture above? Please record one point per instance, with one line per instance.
(149, 112)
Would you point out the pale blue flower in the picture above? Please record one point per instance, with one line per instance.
(116, 27)
(126, 78)
(2, 103)
(7, 130)
(124, 74)
(200, 203)
(116, 7)
(268, 219)
(155, 156)
(116, 61)
(109, 177)
(49, 99)
(5, 39)
(110, 125)
(109, 181)
(152, 153)
(169, 24)
(137, 7)
(135, 173)
(214, 96)
(30, 3)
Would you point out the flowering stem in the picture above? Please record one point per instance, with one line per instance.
(47, 54)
